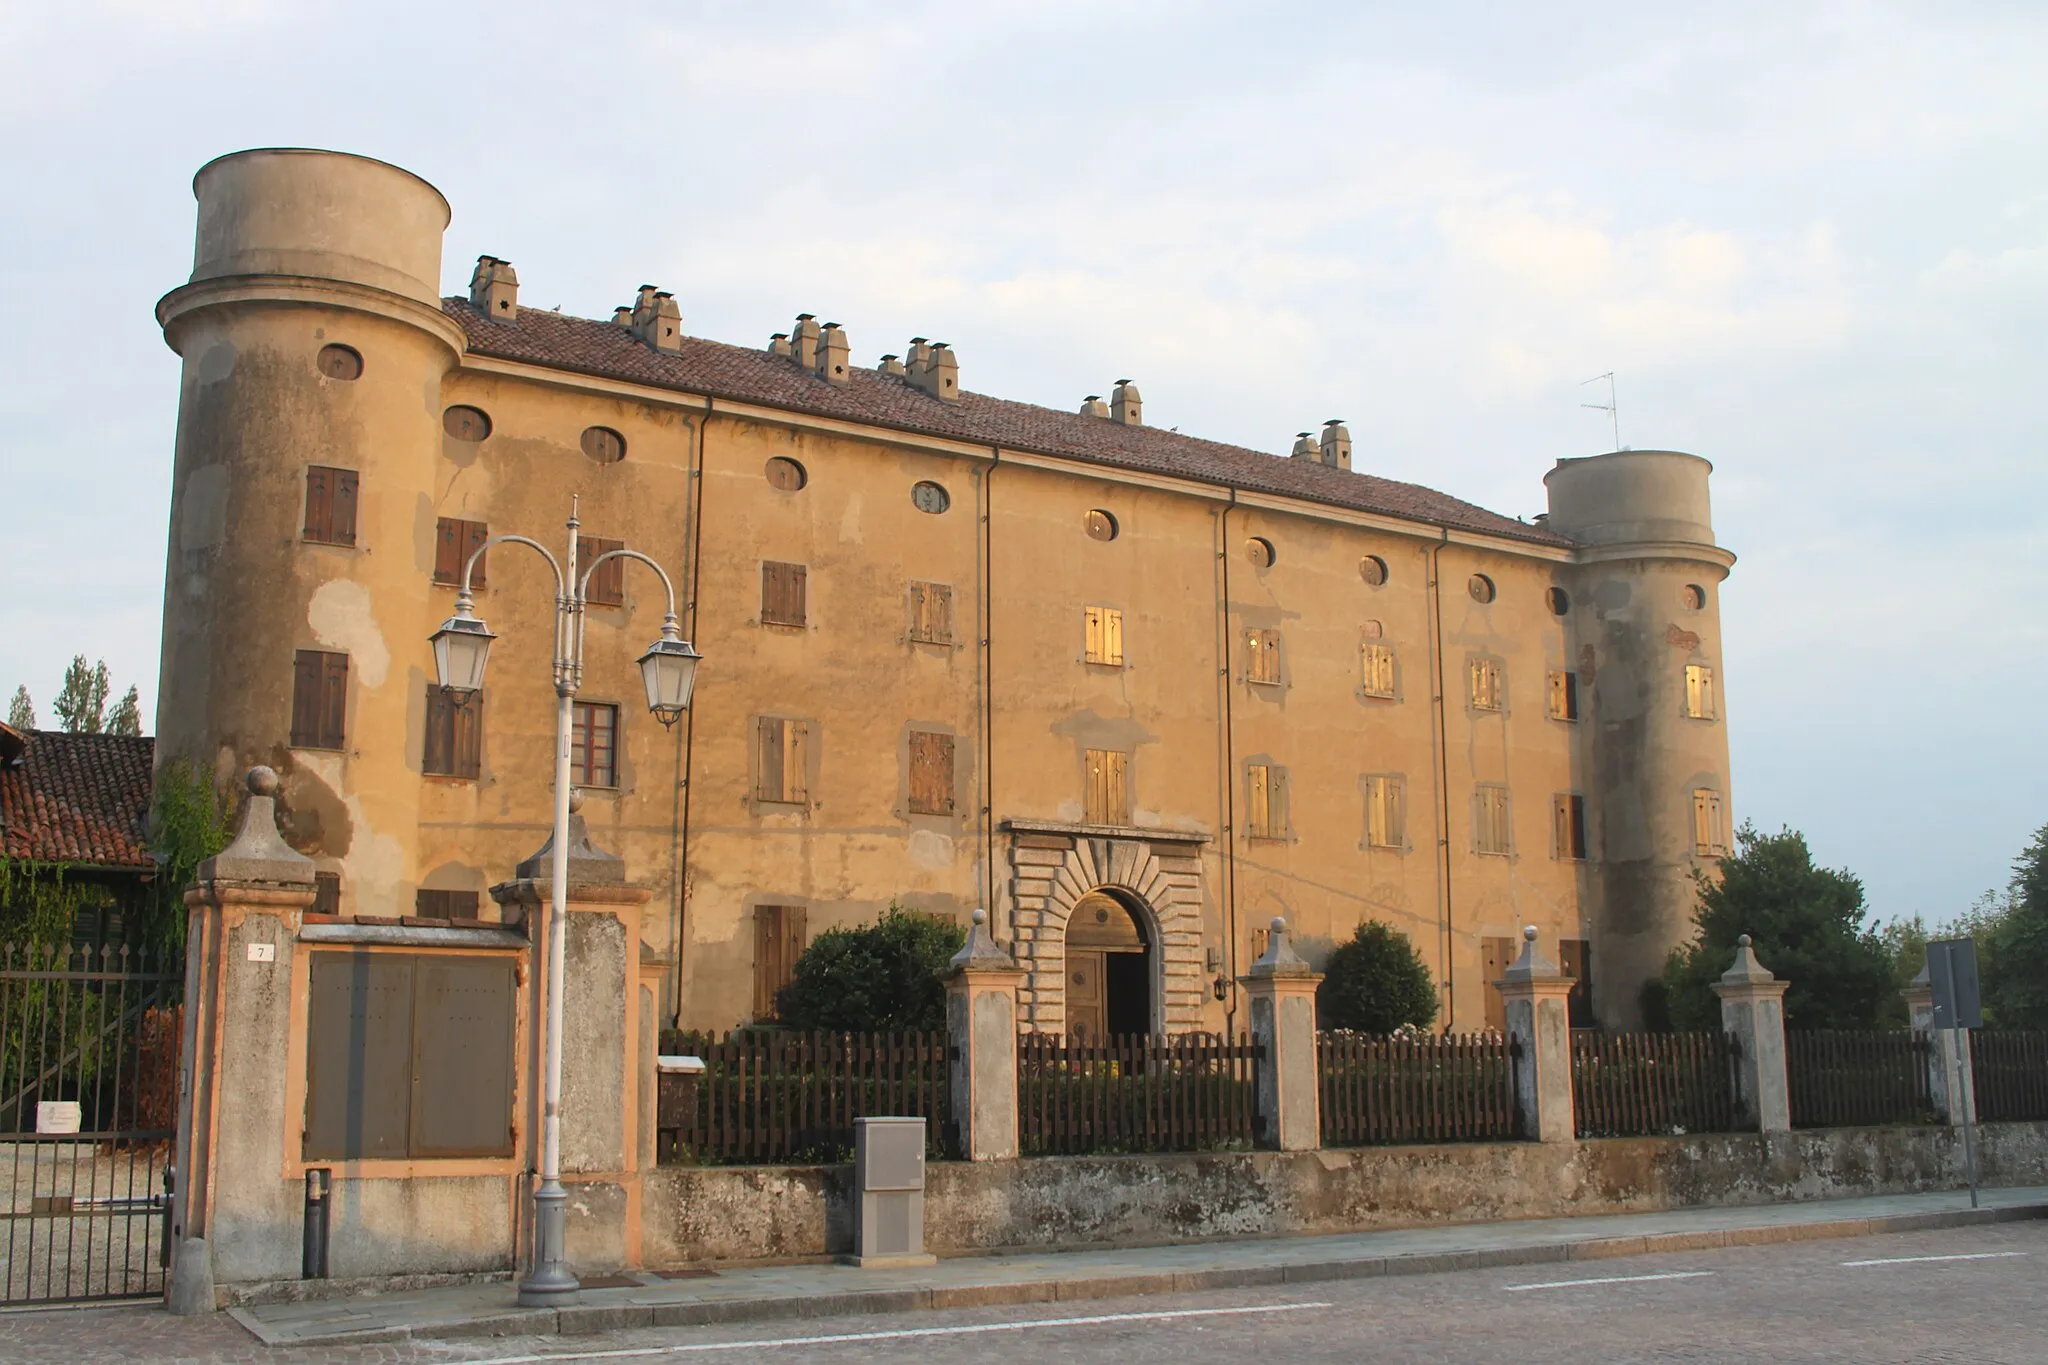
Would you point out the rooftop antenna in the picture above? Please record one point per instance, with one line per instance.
(1610, 407)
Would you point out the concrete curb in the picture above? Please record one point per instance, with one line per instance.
(588, 1318)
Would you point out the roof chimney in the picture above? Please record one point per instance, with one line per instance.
(1336, 444)
(623, 316)
(939, 374)
(657, 320)
(1126, 405)
(832, 357)
(803, 340)
(1305, 447)
(892, 365)
(494, 289)
(1093, 406)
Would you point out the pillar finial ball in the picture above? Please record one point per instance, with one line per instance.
(1279, 925)
(575, 800)
(980, 915)
(1742, 940)
(1530, 933)
(262, 781)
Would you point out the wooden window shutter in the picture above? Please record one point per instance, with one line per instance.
(343, 524)
(454, 542)
(1108, 794)
(608, 585)
(1262, 653)
(1560, 703)
(1568, 820)
(780, 932)
(474, 534)
(437, 746)
(319, 502)
(305, 699)
(931, 773)
(939, 602)
(1276, 803)
(1094, 646)
(1259, 801)
(1113, 636)
(782, 593)
(769, 734)
(333, 701)
(466, 744)
(796, 760)
(1379, 670)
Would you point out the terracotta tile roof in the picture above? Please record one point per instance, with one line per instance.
(718, 370)
(77, 799)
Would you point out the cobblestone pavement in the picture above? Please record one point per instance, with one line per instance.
(1798, 1302)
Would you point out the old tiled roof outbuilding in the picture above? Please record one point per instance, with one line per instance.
(718, 370)
(77, 799)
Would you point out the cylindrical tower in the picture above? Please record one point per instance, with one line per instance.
(302, 535)
(1647, 634)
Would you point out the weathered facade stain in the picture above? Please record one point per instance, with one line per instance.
(300, 249)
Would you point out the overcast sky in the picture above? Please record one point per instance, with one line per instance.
(1811, 241)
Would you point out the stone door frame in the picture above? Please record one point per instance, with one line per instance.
(1157, 872)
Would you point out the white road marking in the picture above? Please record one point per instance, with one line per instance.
(1964, 1256)
(1611, 1279)
(899, 1334)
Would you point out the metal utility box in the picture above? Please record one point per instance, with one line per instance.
(888, 1191)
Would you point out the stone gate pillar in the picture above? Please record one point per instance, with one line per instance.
(1753, 1009)
(1539, 1020)
(1281, 988)
(981, 1025)
(243, 918)
(608, 1046)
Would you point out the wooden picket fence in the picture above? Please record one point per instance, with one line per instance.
(1841, 1078)
(1638, 1084)
(2010, 1067)
(1437, 1089)
(769, 1096)
(1134, 1093)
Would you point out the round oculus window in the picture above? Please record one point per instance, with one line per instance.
(927, 496)
(785, 474)
(340, 362)
(1259, 551)
(604, 445)
(1102, 525)
(466, 423)
(1481, 588)
(1695, 597)
(1373, 570)
(1560, 601)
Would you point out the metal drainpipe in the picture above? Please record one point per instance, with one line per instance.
(988, 681)
(689, 738)
(1229, 775)
(1440, 743)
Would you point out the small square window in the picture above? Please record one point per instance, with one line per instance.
(453, 746)
(607, 586)
(330, 505)
(1108, 796)
(1385, 812)
(783, 766)
(931, 613)
(1709, 824)
(1265, 801)
(1262, 656)
(594, 745)
(319, 700)
(785, 594)
(1486, 689)
(1105, 644)
(1564, 695)
(931, 773)
(1492, 833)
(1377, 665)
(1699, 692)
(454, 542)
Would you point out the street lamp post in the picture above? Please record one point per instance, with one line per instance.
(668, 670)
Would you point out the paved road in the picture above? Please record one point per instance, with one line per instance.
(1963, 1295)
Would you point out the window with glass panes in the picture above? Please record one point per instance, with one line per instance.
(594, 745)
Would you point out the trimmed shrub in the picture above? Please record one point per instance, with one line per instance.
(1377, 983)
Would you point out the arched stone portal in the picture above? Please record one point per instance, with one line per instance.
(1154, 875)
(1109, 969)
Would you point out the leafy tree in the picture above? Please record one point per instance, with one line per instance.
(82, 701)
(21, 712)
(883, 977)
(1375, 982)
(1807, 926)
(127, 718)
(2014, 970)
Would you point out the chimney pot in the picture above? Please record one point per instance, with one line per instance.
(833, 359)
(803, 340)
(935, 369)
(779, 345)
(1335, 446)
(494, 289)
(657, 319)
(1093, 406)
(892, 365)
(1126, 405)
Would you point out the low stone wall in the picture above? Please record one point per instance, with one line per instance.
(736, 1213)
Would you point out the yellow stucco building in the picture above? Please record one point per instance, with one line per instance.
(1136, 692)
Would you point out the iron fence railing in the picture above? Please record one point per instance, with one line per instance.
(1637, 1084)
(1840, 1078)
(1135, 1093)
(1435, 1089)
(772, 1096)
(2010, 1067)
